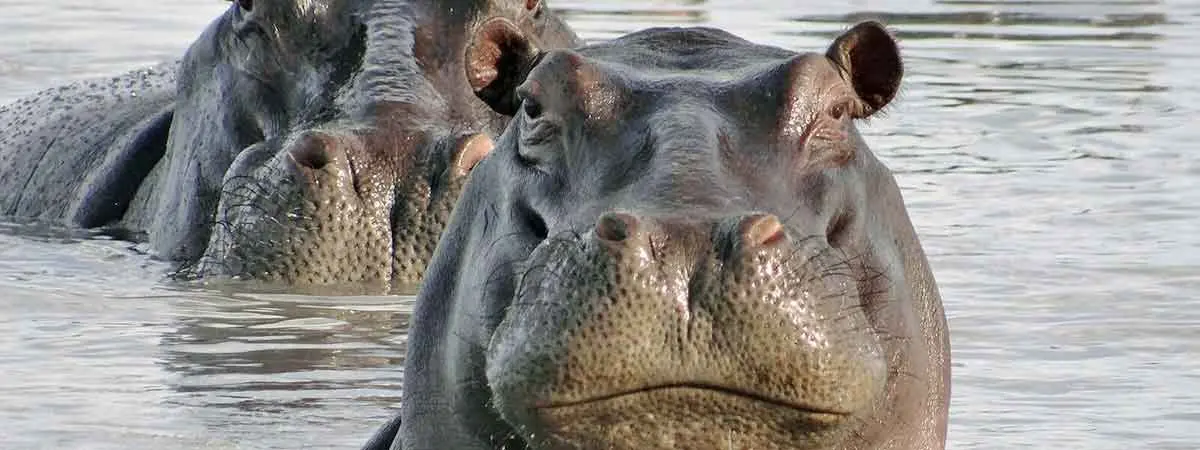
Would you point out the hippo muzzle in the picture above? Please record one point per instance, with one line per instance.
(342, 205)
(686, 336)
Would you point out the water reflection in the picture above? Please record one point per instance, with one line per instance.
(996, 17)
(1044, 78)
(258, 354)
(1137, 30)
(597, 21)
(1048, 3)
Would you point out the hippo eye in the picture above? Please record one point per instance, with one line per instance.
(844, 109)
(839, 110)
(531, 107)
(537, 129)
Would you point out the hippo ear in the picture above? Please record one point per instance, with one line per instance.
(498, 59)
(870, 60)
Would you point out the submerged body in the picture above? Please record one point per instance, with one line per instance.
(680, 241)
(300, 142)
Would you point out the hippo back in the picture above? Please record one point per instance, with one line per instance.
(73, 153)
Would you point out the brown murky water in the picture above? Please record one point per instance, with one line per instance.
(1048, 152)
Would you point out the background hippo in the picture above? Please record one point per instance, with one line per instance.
(681, 241)
(306, 142)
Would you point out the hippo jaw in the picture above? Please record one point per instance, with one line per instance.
(687, 339)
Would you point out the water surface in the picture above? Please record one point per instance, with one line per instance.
(1047, 151)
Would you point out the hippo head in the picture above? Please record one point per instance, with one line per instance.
(680, 241)
(322, 142)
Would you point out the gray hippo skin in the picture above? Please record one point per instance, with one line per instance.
(306, 142)
(680, 241)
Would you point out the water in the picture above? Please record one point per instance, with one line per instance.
(1047, 150)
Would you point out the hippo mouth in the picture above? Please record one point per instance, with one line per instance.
(686, 416)
(710, 390)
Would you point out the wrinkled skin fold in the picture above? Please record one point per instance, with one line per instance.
(305, 143)
(680, 241)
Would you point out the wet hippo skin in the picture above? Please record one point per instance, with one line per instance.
(680, 241)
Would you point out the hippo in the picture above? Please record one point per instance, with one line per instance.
(299, 142)
(680, 241)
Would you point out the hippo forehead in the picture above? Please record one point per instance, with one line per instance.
(312, 10)
(305, 19)
(702, 52)
(661, 68)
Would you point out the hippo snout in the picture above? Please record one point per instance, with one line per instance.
(324, 158)
(663, 327)
(341, 205)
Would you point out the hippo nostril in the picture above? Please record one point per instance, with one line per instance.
(615, 227)
(470, 152)
(311, 153)
(836, 232)
(761, 230)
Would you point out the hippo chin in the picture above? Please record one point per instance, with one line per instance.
(680, 241)
(304, 142)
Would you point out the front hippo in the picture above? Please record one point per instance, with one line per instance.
(680, 242)
(302, 142)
